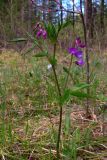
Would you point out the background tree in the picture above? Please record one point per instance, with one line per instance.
(81, 5)
(88, 18)
(102, 16)
(61, 11)
(53, 11)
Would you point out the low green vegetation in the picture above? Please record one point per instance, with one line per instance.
(29, 112)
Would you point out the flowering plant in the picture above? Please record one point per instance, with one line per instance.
(51, 32)
(43, 33)
(40, 31)
(77, 51)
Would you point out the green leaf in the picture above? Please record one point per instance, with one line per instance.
(65, 97)
(18, 40)
(66, 70)
(30, 49)
(68, 94)
(66, 24)
(81, 86)
(52, 32)
(42, 54)
(80, 94)
(53, 61)
(101, 97)
(32, 38)
(67, 124)
(97, 63)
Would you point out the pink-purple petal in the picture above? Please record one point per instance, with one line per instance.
(44, 34)
(79, 54)
(73, 51)
(82, 45)
(39, 33)
(80, 62)
(79, 43)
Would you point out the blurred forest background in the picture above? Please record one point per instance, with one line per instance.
(18, 17)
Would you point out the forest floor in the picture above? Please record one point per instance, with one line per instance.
(29, 113)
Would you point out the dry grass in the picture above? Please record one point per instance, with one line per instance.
(34, 120)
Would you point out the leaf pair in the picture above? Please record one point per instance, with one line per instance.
(74, 92)
(52, 32)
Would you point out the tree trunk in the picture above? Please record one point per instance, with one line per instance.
(22, 13)
(29, 16)
(88, 18)
(44, 13)
(11, 16)
(81, 5)
(102, 16)
(73, 15)
(61, 11)
(52, 11)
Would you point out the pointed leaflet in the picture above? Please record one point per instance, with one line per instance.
(30, 49)
(41, 54)
(18, 40)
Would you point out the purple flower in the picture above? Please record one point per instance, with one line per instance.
(82, 45)
(79, 43)
(79, 54)
(44, 34)
(75, 52)
(39, 33)
(80, 62)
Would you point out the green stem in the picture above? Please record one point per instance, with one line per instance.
(54, 52)
(59, 133)
(60, 116)
(68, 73)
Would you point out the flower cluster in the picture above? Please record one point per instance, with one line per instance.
(40, 31)
(76, 51)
